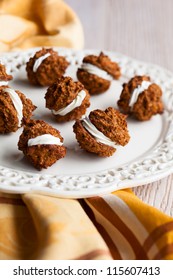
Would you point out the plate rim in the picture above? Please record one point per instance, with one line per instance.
(82, 186)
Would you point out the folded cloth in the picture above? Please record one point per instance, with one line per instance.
(30, 23)
(40, 227)
(113, 226)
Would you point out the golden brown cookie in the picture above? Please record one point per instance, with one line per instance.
(97, 72)
(15, 109)
(45, 67)
(141, 98)
(41, 144)
(102, 132)
(68, 100)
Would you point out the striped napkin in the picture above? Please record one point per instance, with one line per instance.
(113, 226)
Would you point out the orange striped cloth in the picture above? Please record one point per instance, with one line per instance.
(113, 226)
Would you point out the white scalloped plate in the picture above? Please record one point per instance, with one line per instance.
(146, 158)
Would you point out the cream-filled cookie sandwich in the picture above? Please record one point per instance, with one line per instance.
(41, 144)
(45, 67)
(15, 109)
(68, 100)
(141, 98)
(97, 72)
(102, 132)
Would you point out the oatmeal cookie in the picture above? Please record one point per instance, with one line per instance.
(41, 144)
(141, 98)
(68, 100)
(97, 72)
(15, 109)
(45, 67)
(102, 132)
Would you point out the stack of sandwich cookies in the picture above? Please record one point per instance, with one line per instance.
(45, 67)
(68, 100)
(141, 98)
(41, 144)
(102, 132)
(97, 72)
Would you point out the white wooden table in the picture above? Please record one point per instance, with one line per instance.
(142, 29)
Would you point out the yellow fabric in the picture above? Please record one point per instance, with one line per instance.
(30, 23)
(113, 226)
(38, 227)
(33, 226)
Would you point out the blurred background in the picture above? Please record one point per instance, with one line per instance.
(142, 29)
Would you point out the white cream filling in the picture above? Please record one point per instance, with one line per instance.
(98, 135)
(39, 61)
(16, 102)
(44, 139)
(3, 83)
(74, 104)
(92, 69)
(134, 96)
